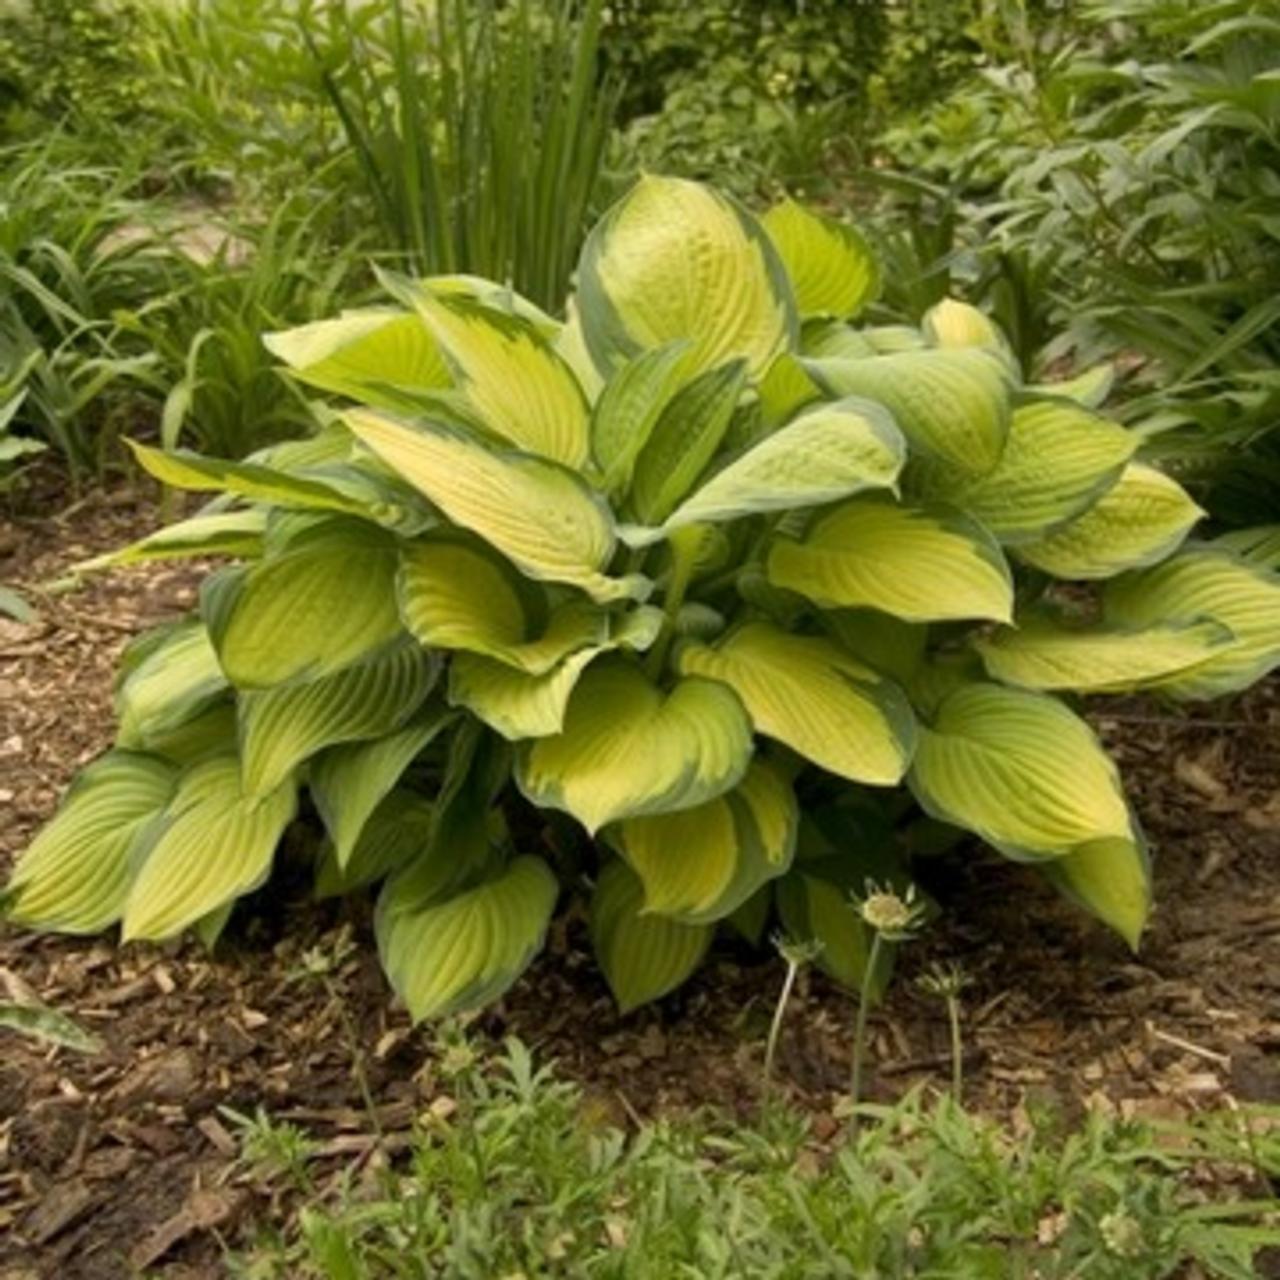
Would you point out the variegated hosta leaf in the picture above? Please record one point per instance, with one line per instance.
(703, 863)
(1058, 459)
(1137, 522)
(75, 875)
(1090, 388)
(540, 516)
(1041, 653)
(1200, 584)
(217, 843)
(325, 603)
(815, 910)
(519, 705)
(397, 832)
(829, 451)
(643, 956)
(952, 405)
(890, 339)
(784, 389)
(1259, 545)
(465, 948)
(347, 783)
(882, 641)
(225, 533)
(628, 748)
(455, 596)
(172, 679)
(917, 564)
(283, 726)
(380, 356)
(511, 377)
(821, 338)
(955, 324)
(1020, 770)
(674, 259)
(832, 267)
(806, 692)
(1111, 879)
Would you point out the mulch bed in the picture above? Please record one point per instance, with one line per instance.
(123, 1161)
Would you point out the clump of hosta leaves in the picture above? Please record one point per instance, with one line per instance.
(704, 602)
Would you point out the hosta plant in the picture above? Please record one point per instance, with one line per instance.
(703, 603)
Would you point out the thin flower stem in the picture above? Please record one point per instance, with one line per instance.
(860, 1026)
(775, 1028)
(957, 1053)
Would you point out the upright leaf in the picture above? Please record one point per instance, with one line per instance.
(832, 267)
(168, 685)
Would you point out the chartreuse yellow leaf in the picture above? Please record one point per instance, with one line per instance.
(327, 601)
(951, 323)
(381, 356)
(1090, 388)
(1059, 458)
(1043, 653)
(677, 260)
(1206, 584)
(701, 864)
(168, 679)
(225, 533)
(457, 596)
(465, 947)
(627, 747)
(918, 564)
(1137, 522)
(784, 389)
(394, 835)
(217, 843)
(1020, 770)
(1111, 879)
(951, 404)
(542, 517)
(283, 726)
(75, 875)
(809, 693)
(643, 956)
(832, 267)
(519, 705)
(510, 376)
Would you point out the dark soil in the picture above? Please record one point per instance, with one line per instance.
(124, 1161)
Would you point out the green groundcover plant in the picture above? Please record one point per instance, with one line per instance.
(704, 600)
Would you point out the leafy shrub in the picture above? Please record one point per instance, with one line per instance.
(671, 598)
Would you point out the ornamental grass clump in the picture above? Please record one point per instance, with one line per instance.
(704, 601)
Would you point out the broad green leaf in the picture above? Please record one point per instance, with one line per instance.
(686, 437)
(674, 259)
(882, 641)
(1137, 522)
(954, 324)
(1019, 770)
(643, 957)
(519, 705)
(381, 356)
(325, 603)
(455, 596)
(1059, 458)
(829, 451)
(918, 564)
(815, 910)
(75, 875)
(1206, 584)
(629, 748)
(832, 267)
(808, 693)
(540, 516)
(1090, 388)
(347, 783)
(952, 405)
(177, 679)
(701, 864)
(1111, 879)
(1041, 653)
(283, 726)
(1259, 545)
(226, 533)
(39, 1022)
(463, 950)
(395, 834)
(217, 843)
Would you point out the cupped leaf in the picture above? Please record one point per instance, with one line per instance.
(283, 726)
(1138, 521)
(954, 324)
(919, 564)
(807, 692)
(701, 864)
(1020, 770)
(643, 956)
(394, 835)
(172, 682)
(676, 260)
(628, 748)
(832, 268)
(1200, 584)
(465, 948)
(225, 533)
(456, 596)
(952, 405)
(74, 877)
(1111, 879)
(217, 843)
(540, 516)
